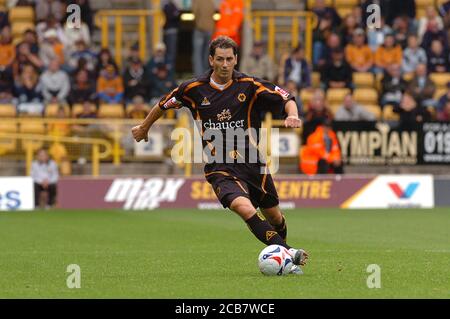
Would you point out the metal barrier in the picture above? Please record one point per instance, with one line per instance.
(30, 148)
(295, 16)
(103, 17)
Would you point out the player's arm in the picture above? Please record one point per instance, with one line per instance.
(292, 119)
(140, 132)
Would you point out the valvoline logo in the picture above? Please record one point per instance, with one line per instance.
(407, 193)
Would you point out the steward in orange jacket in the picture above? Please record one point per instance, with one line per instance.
(231, 17)
(321, 154)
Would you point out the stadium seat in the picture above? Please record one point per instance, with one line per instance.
(51, 110)
(6, 144)
(334, 107)
(32, 127)
(388, 113)
(346, 3)
(344, 11)
(439, 92)
(374, 109)
(315, 80)
(424, 3)
(336, 96)
(111, 111)
(408, 76)
(363, 79)
(306, 96)
(18, 28)
(440, 79)
(366, 96)
(327, 2)
(7, 110)
(22, 14)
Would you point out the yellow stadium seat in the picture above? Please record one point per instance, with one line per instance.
(346, 3)
(374, 109)
(408, 76)
(363, 80)
(111, 111)
(328, 3)
(440, 79)
(32, 127)
(336, 96)
(306, 96)
(388, 113)
(344, 11)
(7, 144)
(334, 107)
(439, 93)
(18, 28)
(7, 110)
(21, 13)
(366, 96)
(315, 80)
(77, 109)
(51, 110)
(424, 3)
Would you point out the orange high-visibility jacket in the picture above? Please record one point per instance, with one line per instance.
(315, 150)
(231, 17)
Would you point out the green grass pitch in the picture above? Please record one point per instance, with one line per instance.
(212, 254)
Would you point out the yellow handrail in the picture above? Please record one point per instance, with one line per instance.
(96, 142)
(311, 20)
(103, 18)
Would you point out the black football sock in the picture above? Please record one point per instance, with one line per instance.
(281, 229)
(264, 231)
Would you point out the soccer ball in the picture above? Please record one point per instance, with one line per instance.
(275, 260)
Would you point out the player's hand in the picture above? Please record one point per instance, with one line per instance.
(293, 122)
(140, 133)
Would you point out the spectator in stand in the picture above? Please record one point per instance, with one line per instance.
(351, 111)
(74, 35)
(413, 55)
(83, 88)
(333, 42)
(44, 172)
(321, 38)
(104, 58)
(438, 58)
(430, 15)
(358, 54)
(110, 86)
(387, 54)
(258, 63)
(46, 8)
(50, 24)
(444, 113)
(401, 8)
(52, 49)
(160, 84)
(4, 19)
(81, 50)
(444, 12)
(421, 88)
(6, 88)
(133, 54)
(347, 29)
(55, 84)
(411, 112)
(401, 29)
(158, 58)
(324, 12)
(29, 92)
(321, 154)
(338, 73)
(136, 80)
(203, 31)
(392, 86)
(231, 18)
(434, 33)
(444, 98)
(358, 15)
(317, 111)
(170, 30)
(7, 50)
(25, 56)
(297, 69)
(138, 109)
(376, 36)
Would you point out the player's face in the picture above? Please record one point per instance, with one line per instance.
(223, 63)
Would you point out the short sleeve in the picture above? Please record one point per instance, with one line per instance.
(272, 98)
(173, 100)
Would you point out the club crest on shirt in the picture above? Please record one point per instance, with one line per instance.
(282, 92)
(205, 101)
(225, 115)
(242, 97)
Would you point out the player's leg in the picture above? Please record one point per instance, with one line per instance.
(276, 218)
(258, 225)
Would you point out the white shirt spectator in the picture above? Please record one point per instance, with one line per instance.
(46, 171)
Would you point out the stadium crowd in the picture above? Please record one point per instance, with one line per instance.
(398, 71)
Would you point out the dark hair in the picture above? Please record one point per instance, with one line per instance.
(222, 42)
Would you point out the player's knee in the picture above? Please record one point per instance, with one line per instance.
(243, 208)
